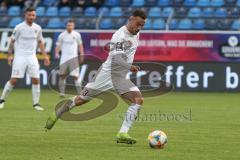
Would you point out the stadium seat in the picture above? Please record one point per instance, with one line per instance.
(224, 24)
(211, 24)
(190, 3)
(164, 2)
(198, 24)
(91, 23)
(138, 3)
(236, 25)
(185, 24)
(90, 11)
(118, 22)
(40, 11)
(14, 11)
(181, 12)
(167, 11)
(111, 3)
(151, 2)
(235, 12)
(173, 24)
(230, 3)
(55, 23)
(15, 21)
(4, 21)
(208, 12)
(238, 3)
(221, 12)
(177, 3)
(106, 23)
(80, 23)
(158, 24)
(116, 12)
(49, 2)
(195, 12)
(148, 24)
(154, 12)
(127, 11)
(203, 3)
(217, 3)
(52, 11)
(125, 2)
(104, 11)
(78, 11)
(65, 11)
(3, 11)
(42, 21)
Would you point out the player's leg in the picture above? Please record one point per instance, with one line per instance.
(36, 94)
(18, 71)
(77, 84)
(136, 101)
(7, 89)
(33, 71)
(74, 72)
(65, 106)
(62, 85)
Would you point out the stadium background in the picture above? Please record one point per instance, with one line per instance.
(199, 35)
(198, 40)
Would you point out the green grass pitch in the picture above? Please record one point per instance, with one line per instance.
(211, 132)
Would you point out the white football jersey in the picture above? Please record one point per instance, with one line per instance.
(68, 43)
(122, 42)
(26, 38)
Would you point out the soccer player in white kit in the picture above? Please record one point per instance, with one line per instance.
(112, 75)
(25, 38)
(70, 44)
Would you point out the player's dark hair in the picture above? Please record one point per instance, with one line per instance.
(30, 9)
(139, 13)
(70, 21)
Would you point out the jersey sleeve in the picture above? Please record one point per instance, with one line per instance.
(59, 40)
(79, 39)
(40, 36)
(116, 44)
(15, 33)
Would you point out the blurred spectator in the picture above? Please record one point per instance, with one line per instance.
(81, 3)
(20, 3)
(64, 3)
(3, 3)
(97, 3)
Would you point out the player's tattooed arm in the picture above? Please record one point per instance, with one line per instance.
(119, 60)
(10, 52)
(42, 49)
(81, 51)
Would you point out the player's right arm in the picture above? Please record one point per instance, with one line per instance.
(58, 46)
(13, 38)
(118, 53)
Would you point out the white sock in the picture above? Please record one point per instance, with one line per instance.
(7, 89)
(35, 93)
(78, 86)
(130, 117)
(62, 85)
(73, 103)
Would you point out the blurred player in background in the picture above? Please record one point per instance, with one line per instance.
(70, 44)
(112, 74)
(25, 38)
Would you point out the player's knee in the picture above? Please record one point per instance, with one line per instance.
(13, 82)
(79, 101)
(35, 81)
(138, 100)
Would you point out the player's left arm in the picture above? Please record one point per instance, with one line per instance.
(80, 48)
(42, 48)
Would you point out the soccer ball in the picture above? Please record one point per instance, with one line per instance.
(157, 139)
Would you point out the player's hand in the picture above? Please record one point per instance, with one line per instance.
(47, 61)
(134, 69)
(10, 59)
(57, 56)
(81, 59)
